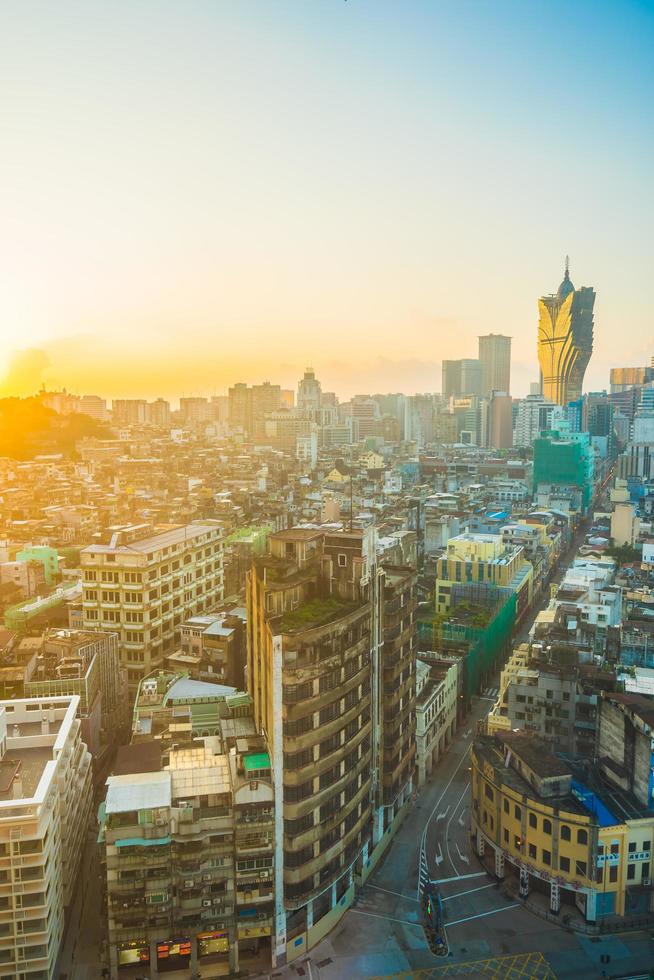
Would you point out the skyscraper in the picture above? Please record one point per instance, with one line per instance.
(495, 359)
(565, 340)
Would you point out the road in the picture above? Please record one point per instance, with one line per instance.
(382, 935)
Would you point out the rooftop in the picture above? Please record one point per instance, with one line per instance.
(315, 612)
(142, 791)
(171, 535)
(27, 764)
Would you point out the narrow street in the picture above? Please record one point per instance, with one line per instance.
(382, 934)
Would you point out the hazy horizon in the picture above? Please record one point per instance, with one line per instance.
(227, 192)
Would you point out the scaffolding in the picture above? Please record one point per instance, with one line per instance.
(482, 647)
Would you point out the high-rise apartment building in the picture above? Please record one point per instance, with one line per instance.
(495, 360)
(129, 411)
(240, 407)
(462, 377)
(144, 582)
(45, 808)
(331, 670)
(158, 412)
(195, 409)
(565, 340)
(265, 398)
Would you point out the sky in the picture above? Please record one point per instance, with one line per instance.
(196, 193)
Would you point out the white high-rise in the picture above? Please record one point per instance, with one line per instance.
(45, 806)
(534, 414)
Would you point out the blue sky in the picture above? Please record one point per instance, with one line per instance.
(195, 193)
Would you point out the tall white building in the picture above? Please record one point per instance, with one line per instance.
(45, 807)
(534, 414)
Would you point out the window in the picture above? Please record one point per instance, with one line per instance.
(506, 806)
(488, 791)
(581, 867)
(342, 561)
(517, 842)
(646, 845)
(631, 872)
(564, 863)
(547, 857)
(613, 873)
(517, 812)
(645, 869)
(615, 848)
(533, 822)
(565, 832)
(532, 851)
(547, 826)
(632, 846)
(506, 836)
(582, 837)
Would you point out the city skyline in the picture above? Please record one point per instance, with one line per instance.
(227, 192)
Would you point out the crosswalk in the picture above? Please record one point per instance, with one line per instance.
(491, 693)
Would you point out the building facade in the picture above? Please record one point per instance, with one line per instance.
(565, 340)
(495, 360)
(331, 670)
(45, 810)
(145, 582)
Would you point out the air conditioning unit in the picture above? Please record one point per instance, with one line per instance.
(189, 883)
(647, 881)
(217, 901)
(206, 903)
(206, 877)
(160, 821)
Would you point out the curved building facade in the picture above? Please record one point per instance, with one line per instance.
(565, 340)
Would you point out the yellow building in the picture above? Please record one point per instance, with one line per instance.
(565, 340)
(554, 834)
(484, 559)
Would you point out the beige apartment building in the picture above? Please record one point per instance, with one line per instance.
(45, 808)
(145, 581)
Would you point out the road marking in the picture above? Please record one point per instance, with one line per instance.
(461, 821)
(469, 891)
(388, 891)
(423, 838)
(473, 874)
(438, 858)
(388, 918)
(482, 915)
(464, 857)
(441, 816)
(447, 827)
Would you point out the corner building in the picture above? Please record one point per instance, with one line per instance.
(331, 670)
